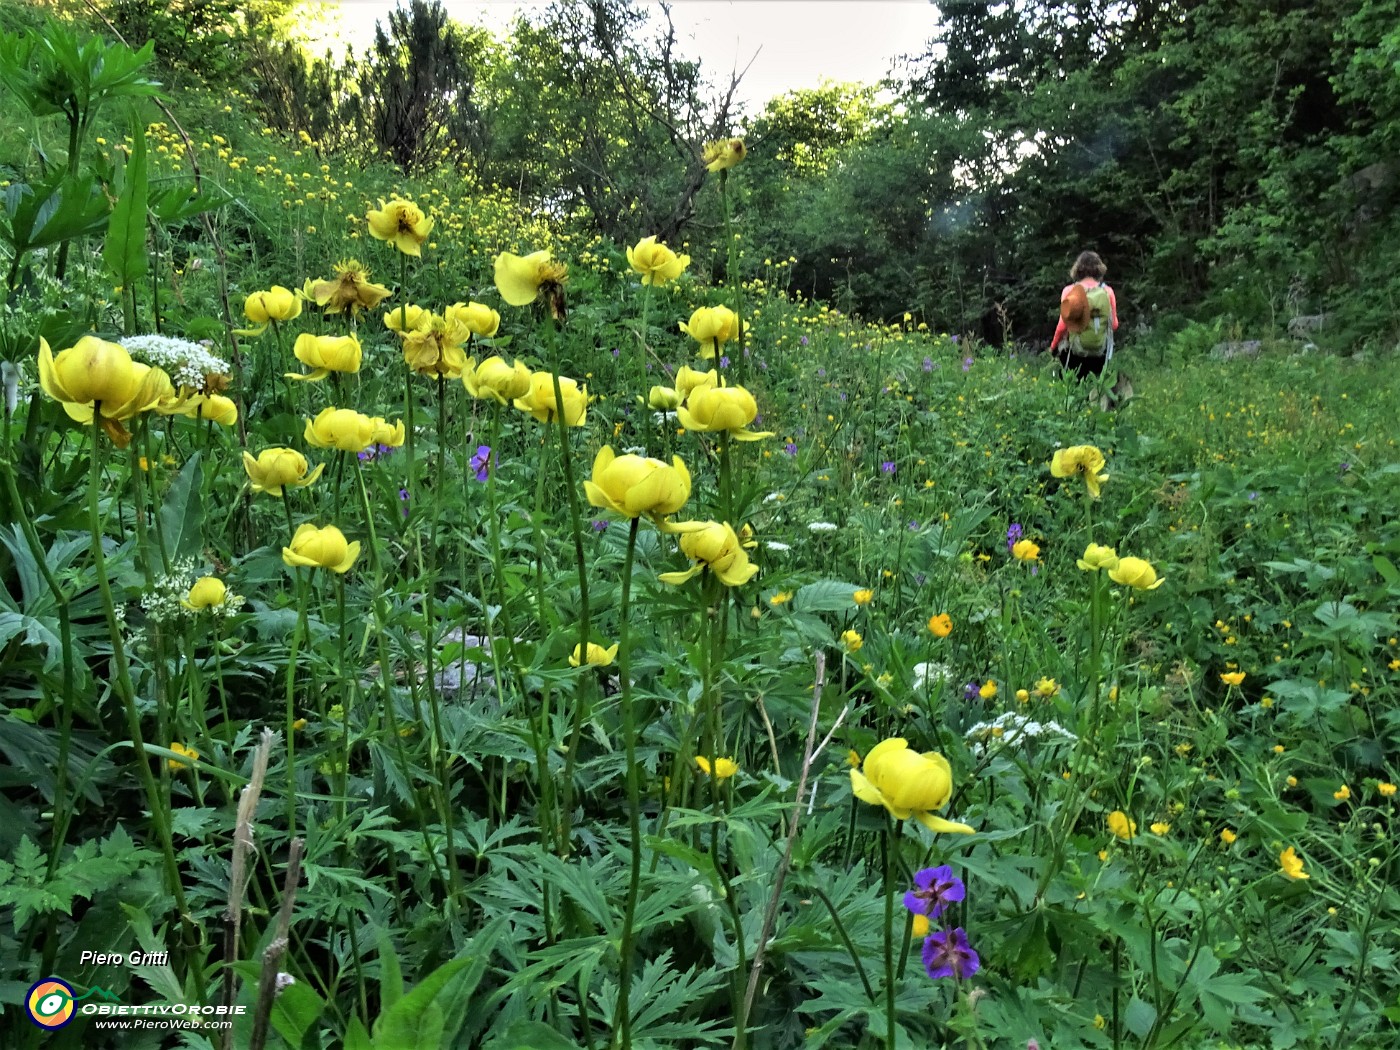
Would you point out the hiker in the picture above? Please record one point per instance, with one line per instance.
(1088, 316)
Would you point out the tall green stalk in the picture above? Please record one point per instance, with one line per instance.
(622, 1022)
(889, 843)
(300, 631)
(125, 692)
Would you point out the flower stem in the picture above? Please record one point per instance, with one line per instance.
(300, 631)
(623, 1021)
(888, 845)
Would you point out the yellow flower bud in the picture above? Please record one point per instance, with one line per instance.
(321, 548)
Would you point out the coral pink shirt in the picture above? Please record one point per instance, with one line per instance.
(1088, 282)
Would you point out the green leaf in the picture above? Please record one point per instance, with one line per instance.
(390, 975)
(825, 596)
(1139, 1017)
(124, 250)
(530, 1035)
(415, 1021)
(182, 513)
(356, 1038)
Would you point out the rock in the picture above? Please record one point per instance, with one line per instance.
(1238, 348)
(1302, 326)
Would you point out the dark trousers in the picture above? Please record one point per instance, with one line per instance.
(1082, 366)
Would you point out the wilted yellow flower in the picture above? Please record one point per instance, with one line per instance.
(711, 327)
(520, 280)
(208, 592)
(1136, 573)
(341, 428)
(1025, 550)
(688, 380)
(402, 223)
(714, 408)
(321, 548)
(633, 485)
(655, 262)
(1342, 793)
(1292, 864)
(1121, 825)
(597, 655)
(1232, 677)
(1085, 460)
(1047, 687)
(407, 318)
(477, 318)
(723, 768)
(940, 625)
(1228, 837)
(864, 596)
(495, 379)
(275, 304)
(275, 468)
(350, 289)
(539, 401)
(1097, 557)
(907, 783)
(723, 154)
(780, 598)
(1161, 828)
(325, 354)
(181, 749)
(851, 641)
(988, 690)
(663, 399)
(712, 545)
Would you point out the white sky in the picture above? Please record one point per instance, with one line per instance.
(799, 42)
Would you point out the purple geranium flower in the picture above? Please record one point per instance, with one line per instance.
(481, 462)
(967, 364)
(790, 448)
(724, 361)
(1013, 535)
(934, 889)
(972, 691)
(599, 525)
(887, 467)
(947, 954)
(928, 364)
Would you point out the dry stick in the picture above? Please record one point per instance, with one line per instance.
(809, 755)
(267, 983)
(238, 872)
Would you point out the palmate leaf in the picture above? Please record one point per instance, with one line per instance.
(124, 250)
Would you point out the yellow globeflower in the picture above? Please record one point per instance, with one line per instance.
(341, 428)
(1097, 557)
(688, 380)
(1292, 864)
(402, 223)
(497, 380)
(1085, 460)
(92, 371)
(520, 279)
(724, 154)
(181, 749)
(222, 410)
(663, 399)
(1227, 836)
(539, 399)
(1025, 550)
(597, 655)
(408, 318)
(907, 783)
(325, 548)
(716, 408)
(634, 485)
(392, 434)
(1136, 573)
(276, 468)
(324, 354)
(1122, 825)
(656, 263)
(720, 769)
(711, 327)
(477, 318)
(436, 349)
(208, 592)
(940, 625)
(275, 304)
(350, 289)
(712, 545)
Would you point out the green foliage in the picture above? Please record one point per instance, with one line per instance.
(31, 888)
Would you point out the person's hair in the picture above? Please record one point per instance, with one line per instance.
(1088, 265)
